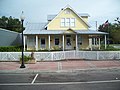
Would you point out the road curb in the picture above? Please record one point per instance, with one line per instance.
(60, 71)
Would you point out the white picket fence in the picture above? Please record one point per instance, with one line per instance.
(61, 55)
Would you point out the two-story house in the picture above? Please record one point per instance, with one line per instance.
(67, 30)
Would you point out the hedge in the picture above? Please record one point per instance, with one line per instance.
(109, 48)
(10, 49)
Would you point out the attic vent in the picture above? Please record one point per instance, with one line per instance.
(67, 11)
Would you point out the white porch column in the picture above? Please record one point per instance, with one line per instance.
(24, 43)
(99, 43)
(105, 41)
(90, 43)
(63, 43)
(94, 41)
(49, 41)
(36, 42)
(76, 42)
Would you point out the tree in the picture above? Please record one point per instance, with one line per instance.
(118, 20)
(10, 23)
(113, 29)
(115, 36)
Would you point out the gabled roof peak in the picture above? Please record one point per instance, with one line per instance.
(67, 6)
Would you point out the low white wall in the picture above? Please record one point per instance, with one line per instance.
(60, 55)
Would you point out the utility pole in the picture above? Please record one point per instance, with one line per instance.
(96, 25)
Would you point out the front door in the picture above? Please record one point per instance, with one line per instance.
(43, 46)
(68, 42)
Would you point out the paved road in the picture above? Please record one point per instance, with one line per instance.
(94, 86)
(95, 80)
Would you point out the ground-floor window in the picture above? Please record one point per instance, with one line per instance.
(56, 41)
(42, 42)
(80, 39)
(94, 41)
(31, 41)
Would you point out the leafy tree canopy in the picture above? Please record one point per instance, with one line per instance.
(113, 29)
(10, 23)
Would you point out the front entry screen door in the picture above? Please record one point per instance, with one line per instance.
(68, 43)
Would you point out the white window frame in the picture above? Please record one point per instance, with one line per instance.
(31, 41)
(43, 45)
(63, 22)
(67, 22)
(55, 39)
(72, 22)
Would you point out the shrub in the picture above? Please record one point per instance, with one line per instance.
(109, 48)
(26, 58)
(10, 49)
(56, 48)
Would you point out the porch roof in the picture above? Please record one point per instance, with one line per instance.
(38, 28)
(88, 32)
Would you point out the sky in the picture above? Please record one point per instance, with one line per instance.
(37, 10)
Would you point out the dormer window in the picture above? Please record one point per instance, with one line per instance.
(67, 11)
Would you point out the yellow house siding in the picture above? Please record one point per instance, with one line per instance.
(31, 42)
(85, 42)
(46, 41)
(56, 23)
(52, 42)
(70, 22)
(73, 40)
(85, 18)
(31, 46)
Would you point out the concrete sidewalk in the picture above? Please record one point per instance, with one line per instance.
(60, 66)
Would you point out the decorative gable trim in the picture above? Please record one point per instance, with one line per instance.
(69, 31)
(51, 17)
(68, 6)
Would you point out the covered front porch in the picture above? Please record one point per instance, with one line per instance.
(68, 40)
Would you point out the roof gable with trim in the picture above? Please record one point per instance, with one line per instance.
(56, 21)
(69, 31)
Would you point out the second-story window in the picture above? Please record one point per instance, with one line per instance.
(72, 22)
(68, 22)
(63, 22)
